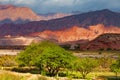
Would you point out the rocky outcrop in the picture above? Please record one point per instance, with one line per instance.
(103, 42)
(77, 33)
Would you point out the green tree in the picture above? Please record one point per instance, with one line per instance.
(115, 67)
(47, 56)
(105, 62)
(53, 58)
(26, 57)
(85, 66)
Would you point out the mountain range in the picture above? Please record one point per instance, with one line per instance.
(77, 33)
(85, 20)
(59, 27)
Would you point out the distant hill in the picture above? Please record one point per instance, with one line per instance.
(105, 17)
(103, 42)
(17, 14)
(11, 13)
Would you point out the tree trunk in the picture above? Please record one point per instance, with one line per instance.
(84, 76)
(116, 75)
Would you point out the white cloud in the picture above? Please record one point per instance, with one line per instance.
(44, 2)
(26, 2)
(64, 5)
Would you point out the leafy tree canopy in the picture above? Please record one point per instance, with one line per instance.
(46, 55)
(115, 67)
(85, 66)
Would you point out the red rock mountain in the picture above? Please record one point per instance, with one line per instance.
(103, 42)
(105, 17)
(77, 33)
(86, 26)
(70, 28)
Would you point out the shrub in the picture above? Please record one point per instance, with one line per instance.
(33, 70)
(7, 61)
(62, 74)
(85, 66)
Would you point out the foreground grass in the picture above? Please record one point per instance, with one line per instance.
(8, 75)
(96, 76)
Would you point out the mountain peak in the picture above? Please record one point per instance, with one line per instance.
(15, 13)
(105, 11)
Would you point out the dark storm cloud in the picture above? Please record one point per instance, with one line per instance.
(45, 6)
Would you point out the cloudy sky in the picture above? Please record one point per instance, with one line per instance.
(47, 6)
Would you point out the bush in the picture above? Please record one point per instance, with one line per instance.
(62, 74)
(85, 66)
(7, 61)
(26, 70)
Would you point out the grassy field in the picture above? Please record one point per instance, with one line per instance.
(8, 75)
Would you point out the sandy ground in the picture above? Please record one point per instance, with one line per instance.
(9, 52)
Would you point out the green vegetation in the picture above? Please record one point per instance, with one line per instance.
(115, 67)
(105, 62)
(53, 59)
(85, 66)
(7, 61)
(49, 59)
(47, 56)
(26, 57)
